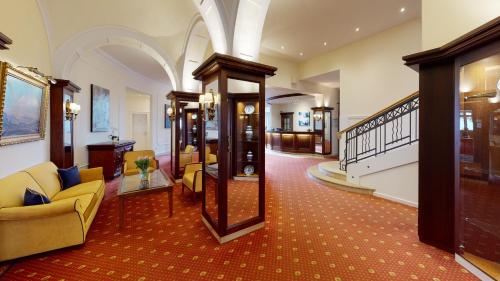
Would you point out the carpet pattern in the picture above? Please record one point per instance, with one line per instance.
(312, 232)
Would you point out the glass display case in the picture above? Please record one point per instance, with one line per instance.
(184, 130)
(322, 124)
(478, 223)
(233, 174)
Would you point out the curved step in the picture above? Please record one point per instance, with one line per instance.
(332, 169)
(316, 174)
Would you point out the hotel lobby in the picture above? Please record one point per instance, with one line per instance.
(250, 140)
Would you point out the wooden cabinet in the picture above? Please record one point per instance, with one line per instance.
(109, 155)
(295, 142)
(61, 129)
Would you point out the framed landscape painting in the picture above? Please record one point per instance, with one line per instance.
(99, 112)
(23, 106)
(304, 119)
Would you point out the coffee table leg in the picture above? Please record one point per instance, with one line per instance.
(121, 212)
(170, 203)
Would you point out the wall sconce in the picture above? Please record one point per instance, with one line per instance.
(39, 73)
(72, 110)
(317, 116)
(171, 112)
(208, 101)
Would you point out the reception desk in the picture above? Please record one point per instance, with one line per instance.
(297, 142)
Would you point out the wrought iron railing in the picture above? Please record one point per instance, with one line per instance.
(391, 128)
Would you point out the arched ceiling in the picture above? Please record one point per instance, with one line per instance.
(197, 43)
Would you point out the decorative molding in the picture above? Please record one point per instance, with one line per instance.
(285, 96)
(4, 41)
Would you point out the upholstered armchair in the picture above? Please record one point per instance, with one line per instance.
(186, 156)
(129, 167)
(209, 157)
(192, 178)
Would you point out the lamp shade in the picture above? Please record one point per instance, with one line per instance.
(201, 99)
(169, 111)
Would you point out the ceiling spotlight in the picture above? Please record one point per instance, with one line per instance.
(324, 43)
(402, 10)
(301, 54)
(357, 29)
(282, 47)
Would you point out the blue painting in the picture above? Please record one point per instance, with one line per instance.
(168, 123)
(304, 119)
(100, 109)
(22, 106)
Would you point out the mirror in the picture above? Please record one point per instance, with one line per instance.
(243, 169)
(67, 124)
(328, 132)
(211, 170)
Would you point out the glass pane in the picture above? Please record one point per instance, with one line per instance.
(211, 118)
(479, 192)
(328, 132)
(243, 180)
(67, 124)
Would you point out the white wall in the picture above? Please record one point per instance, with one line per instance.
(372, 73)
(446, 20)
(21, 21)
(91, 68)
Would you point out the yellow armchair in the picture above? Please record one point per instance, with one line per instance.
(186, 156)
(209, 157)
(129, 167)
(192, 178)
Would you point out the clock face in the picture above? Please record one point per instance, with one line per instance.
(248, 170)
(249, 109)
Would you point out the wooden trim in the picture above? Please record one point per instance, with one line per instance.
(387, 108)
(286, 96)
(480, 36)
(183, 96)
(4, 41)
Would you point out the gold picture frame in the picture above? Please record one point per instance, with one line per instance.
(23, 106)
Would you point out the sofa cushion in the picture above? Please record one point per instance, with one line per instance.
(33, 197)
(81, 189)
(12, 189)
(69, 177)
(46, 176)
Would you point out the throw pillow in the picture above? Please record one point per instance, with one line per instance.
(69, 177)
(33, 197)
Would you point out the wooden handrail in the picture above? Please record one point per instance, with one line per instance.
(380, 112)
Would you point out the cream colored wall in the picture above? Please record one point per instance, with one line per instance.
(446, 20)
(21, 21)
(286, 75)
(372, 73)
(93, 69)
(137, 102)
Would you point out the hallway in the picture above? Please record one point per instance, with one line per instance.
(312, 232)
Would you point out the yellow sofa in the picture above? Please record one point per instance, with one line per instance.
(27, 230)
(129, 166)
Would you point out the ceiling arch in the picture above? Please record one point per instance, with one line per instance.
(68, 53)
(214, 20)
(195, 47)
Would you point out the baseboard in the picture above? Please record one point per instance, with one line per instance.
(396, 199)
(472, 269)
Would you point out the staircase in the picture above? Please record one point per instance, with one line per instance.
(328, 173)
(380, 155)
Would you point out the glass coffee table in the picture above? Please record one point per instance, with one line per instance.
(131, 186)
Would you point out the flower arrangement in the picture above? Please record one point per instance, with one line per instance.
(142, 164)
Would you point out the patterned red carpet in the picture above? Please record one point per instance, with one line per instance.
(312, 232)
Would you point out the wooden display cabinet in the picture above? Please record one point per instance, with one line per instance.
(179, 136)
(459, 148)
(61, 128)
(322, 125)
(233, 187)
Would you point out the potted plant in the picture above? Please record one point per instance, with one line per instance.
(142, 164)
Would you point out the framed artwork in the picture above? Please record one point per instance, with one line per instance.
(304, 119)
(99, 112)
(23, 106)
(168, 123)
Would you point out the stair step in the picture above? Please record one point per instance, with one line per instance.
(332, 169)
(315, 173)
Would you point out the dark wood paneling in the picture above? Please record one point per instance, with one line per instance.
(4, 41)
(295, 142)
(109, 156)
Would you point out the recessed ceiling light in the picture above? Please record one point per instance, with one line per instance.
(301, 54)
(282, 47)
(357, 29)
(402, 10)
(324, 43)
